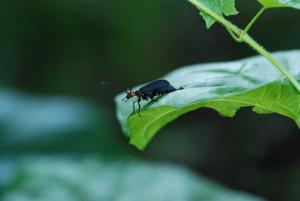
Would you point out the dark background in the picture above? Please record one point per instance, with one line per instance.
(65, 48)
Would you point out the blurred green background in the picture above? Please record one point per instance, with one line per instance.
(60, 139)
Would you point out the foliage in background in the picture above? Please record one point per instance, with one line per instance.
(29, 123)
(92, 179)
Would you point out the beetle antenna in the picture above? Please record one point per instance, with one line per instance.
(110, 83)
(128, 90)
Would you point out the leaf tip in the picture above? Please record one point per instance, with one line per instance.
(138, 145)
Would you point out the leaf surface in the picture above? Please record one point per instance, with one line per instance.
(224, 87)
(280, 3)
(221, 7)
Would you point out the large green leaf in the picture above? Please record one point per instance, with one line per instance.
(224, 87)
(91, 179)
(221, 7)
(280, 3)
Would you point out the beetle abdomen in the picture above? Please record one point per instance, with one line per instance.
(154, 86)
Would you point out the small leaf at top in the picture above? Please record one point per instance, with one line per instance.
(221, 7)
(280, 3)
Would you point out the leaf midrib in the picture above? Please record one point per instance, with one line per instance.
(229, 99)
(252, 104)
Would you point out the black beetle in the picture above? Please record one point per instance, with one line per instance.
(149, 91)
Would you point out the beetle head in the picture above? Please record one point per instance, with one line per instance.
(129, 94)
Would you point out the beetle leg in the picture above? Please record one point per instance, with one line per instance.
(133, 107)
(145, 97)
(155, 100)
(139, 100)
(152, 97)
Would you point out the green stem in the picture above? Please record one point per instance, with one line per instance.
(254, 20)
(245, 31)
(268, 56)
(240, 34)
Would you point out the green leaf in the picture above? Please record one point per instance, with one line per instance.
(92, 179)
(280, 3)
(224, 87)
(221, 7)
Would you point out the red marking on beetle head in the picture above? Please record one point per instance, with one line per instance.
(132, 94)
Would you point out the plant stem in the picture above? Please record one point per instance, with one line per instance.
(268, 56)
(243, 36)
(245, 31)
(254, 19)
